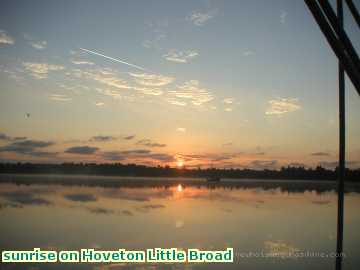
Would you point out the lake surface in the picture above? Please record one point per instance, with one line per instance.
(107, 213)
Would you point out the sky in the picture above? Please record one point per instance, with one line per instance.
(228, 84)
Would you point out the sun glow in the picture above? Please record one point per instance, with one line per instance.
(179, 188)
(180, 163)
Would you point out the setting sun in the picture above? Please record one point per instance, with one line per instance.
(180, 163)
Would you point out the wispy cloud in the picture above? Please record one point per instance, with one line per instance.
(283, 16)
(36, 44)
(248, 53)
(181, 129)
(5, 38)
(149, 143)
(29, 147)
(113, 59)
(99, 104)
(102, 138)
(320, 154)
(201, 18)
(103, 76)
(130, 137)
(41, 70)
(263, 164)
(82, 150)
(137, 154)
(5, 137)
(60, 97)
(81, 62)
(152, 80)
(144, 83)
(282, 105)
(189, 91)
(157, 31)
(227, 144)
(228, 100)
(180, 56)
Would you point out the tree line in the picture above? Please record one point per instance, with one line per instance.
(118, 169)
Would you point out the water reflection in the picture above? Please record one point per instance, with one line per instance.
(250, 219)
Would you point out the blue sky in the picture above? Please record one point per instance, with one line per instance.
(223, 83)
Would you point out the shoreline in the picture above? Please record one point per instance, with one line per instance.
(290, 185)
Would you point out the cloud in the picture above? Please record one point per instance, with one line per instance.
(248, 53)
(29, 147)
(36, 44)
(228, 100)
(176, 102)
(110, 80)
(227, 144)
(122, 155)
(151, 80)
(263, 164)
(149, 91)
(209, 157)
(99, 104)
(282, 105)
(200, 18)
(149, 143)
(59, 97)
(141, 154)
(82, 150)
(190, 91)
(5, 137)
(155, 41)
(81, 62)
(41, 70)
(111, 93)
(129, 137)
(283, 16)
(181, 129)
(103, 76)
(161, 157)
(180, 56)
(228, 109)
(320, 154)
(40, 45)
(5, 38)
(179, 224)
(102, 138)
(81, 197)
(100, 210)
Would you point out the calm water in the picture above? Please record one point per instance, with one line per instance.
(277, 217)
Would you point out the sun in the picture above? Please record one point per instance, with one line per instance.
(180, 163)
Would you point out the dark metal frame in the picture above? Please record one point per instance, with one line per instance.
(333, 29)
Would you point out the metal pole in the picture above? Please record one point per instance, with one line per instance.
(354, 11)
(335, 43)
(340, 218)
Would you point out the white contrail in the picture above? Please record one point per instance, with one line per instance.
(114, 59)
